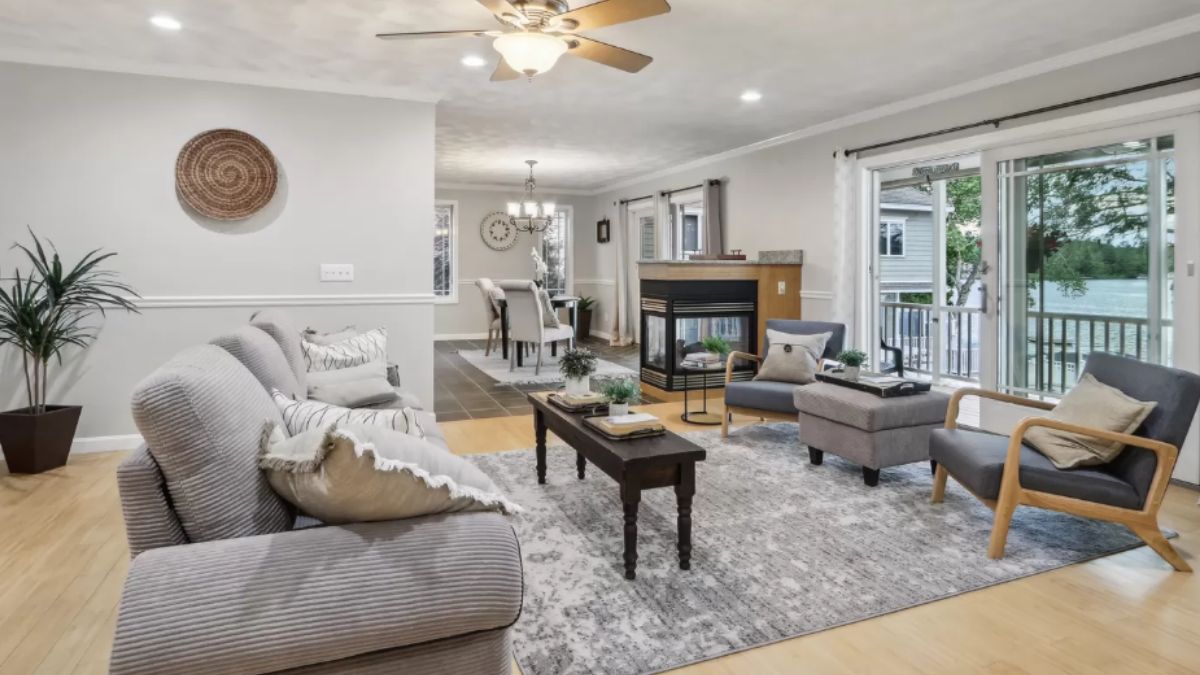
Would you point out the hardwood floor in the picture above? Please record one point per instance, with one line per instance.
(64, 559)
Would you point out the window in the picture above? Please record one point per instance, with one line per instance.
(556, 252)
(687, 220)
(642, 215)
(445, 251)
(891, 238)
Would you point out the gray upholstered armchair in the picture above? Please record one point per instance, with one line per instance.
(773, 400)
(1003, 472)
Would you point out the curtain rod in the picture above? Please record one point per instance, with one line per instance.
(997, 121)
(669, 192)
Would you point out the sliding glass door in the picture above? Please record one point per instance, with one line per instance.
(1088, 234)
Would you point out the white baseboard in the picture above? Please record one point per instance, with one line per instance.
(106, 443)
(442, 337)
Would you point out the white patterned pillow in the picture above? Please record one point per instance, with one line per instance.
(355, 351)
(300, 416)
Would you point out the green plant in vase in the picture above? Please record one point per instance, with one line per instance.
(715, 344)
(853, 360)
(620, 394)
(576, 367)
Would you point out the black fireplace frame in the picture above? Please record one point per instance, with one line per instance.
(671, 300)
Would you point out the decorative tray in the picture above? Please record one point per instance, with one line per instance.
(590, 408)
(589, 422)
(883, 386)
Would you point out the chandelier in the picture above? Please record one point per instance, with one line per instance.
(530, 215)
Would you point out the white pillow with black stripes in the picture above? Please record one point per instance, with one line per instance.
(356, 351)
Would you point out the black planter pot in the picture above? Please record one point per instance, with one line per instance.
(585, 324)
(37, 443)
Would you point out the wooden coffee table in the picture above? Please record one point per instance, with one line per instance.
(643, 464)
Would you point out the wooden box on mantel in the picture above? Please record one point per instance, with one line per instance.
(778, 283)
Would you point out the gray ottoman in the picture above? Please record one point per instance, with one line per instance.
(866, 429)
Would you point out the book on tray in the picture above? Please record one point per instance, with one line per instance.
(632, 423)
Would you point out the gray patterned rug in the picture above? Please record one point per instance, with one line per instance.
(781, 548)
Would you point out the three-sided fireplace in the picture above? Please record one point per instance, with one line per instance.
(677, 315)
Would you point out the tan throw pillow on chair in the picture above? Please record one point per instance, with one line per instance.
(1090, 403)
(358, 474)
(792, 358)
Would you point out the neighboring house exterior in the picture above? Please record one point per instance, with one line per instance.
(906, 241)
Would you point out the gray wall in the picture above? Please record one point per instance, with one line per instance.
(89, 160)
(782, 197)
(476, 259)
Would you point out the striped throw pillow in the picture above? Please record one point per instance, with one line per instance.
(355, 351)
(301, 416)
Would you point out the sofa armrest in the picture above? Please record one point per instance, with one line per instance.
(150, 522)
(279, 601)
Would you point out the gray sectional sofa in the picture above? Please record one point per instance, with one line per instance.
(228, 578)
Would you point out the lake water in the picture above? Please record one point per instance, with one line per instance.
(1108, 297)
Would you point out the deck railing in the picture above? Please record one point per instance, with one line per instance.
(1053, 358)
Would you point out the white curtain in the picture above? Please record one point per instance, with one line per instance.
(666, 228)
(848, 279)
(714, 227)
(622, 328)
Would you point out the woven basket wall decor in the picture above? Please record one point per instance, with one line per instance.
(226, 174)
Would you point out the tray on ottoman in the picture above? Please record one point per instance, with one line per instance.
(883, 386)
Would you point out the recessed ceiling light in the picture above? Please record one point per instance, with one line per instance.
(751, 96)
(473, 61)
(165, 22)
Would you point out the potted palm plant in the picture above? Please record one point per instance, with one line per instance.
(577, 366)
(584, 317)
(620, 393)
(43, 313)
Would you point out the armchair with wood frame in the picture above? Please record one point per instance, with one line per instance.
(1004, 472)
(765, 399)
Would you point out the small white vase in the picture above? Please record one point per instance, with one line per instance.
(579, 386)
(618, 409)
(851, 373)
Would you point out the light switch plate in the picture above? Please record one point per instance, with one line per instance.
(340, 272)
(782, 287)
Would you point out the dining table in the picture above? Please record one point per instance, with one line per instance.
(570, 302)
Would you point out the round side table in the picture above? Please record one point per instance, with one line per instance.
(701, 416)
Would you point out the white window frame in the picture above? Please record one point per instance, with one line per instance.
(451, 299)
(677, 201)
(568, 244)
(634, 213)
(889, 221)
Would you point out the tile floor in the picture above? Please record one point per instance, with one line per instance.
(462, 391)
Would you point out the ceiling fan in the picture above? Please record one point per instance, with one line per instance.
(537, 32)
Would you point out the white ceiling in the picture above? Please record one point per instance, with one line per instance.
(814, 61)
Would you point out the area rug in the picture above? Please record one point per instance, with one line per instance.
(496, 367)
(782, 548)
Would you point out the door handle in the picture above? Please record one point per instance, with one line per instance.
(983, 303)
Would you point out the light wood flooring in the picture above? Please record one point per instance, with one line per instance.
(63, 559)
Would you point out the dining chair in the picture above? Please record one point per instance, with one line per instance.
(527, 320)
(487, 290)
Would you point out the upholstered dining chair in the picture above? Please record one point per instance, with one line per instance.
(527, 321)
(492, 315)
(773, 400)
(1004, 472)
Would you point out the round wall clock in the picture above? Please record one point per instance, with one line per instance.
(497, 231)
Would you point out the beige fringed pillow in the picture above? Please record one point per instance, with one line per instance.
(358, 474)
(1090, 403)
(792, 358)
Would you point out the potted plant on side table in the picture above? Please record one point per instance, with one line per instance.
(584, 317)
(718, 346)
(620, 393)
(853, 360)
(577, 366)
(42, 313)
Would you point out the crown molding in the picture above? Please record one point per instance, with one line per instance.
(222, 75)
(1145, 38)
(486, 187)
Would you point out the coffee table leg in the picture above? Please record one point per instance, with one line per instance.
(683, 497)
(539, 431)
(630, 498)
(580, 464)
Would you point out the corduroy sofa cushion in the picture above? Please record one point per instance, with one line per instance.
(263, 357)
(202, 415)
(279, 326)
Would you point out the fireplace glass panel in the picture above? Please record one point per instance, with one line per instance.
(656, 341)
(689, 331)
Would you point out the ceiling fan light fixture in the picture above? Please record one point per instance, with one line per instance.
(530, 53)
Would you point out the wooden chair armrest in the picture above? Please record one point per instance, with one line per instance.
(959, 394)
(737, 355)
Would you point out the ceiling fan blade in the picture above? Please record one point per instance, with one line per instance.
(505, 72)
(433, 34)
(600, 52)
(609, 13)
